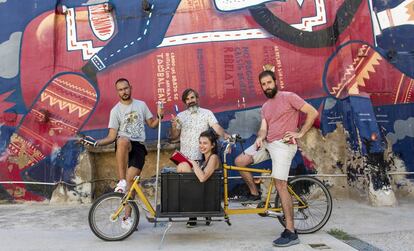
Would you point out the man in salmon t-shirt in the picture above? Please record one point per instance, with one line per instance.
(276, 139)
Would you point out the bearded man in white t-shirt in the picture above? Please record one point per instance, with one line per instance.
(190, 123)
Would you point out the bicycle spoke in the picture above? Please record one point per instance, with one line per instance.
(100, 217)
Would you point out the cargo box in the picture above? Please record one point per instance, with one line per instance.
(182, 194)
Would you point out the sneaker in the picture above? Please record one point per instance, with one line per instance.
(127, 223)
(208, 221)
(286, 239)
(121, 186)
(191, 222)
(251, 198)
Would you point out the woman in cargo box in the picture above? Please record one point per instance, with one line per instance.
(206, 167)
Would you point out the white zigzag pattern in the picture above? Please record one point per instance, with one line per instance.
(75, 87)
(64, 104)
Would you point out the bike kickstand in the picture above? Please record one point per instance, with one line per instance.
(169, 225)
(227, 220)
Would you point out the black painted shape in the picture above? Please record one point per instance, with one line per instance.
(308, 39)
(378, 167)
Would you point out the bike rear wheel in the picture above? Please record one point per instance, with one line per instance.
(314, 212)
(101, 222)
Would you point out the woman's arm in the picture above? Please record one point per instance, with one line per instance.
(212, 165)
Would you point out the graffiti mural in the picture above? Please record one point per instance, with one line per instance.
(352, 59)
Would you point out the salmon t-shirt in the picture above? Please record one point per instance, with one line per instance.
(281, 114)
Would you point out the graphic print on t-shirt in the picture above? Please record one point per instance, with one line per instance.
(133, 125)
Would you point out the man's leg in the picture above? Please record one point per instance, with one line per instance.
(244, 160)
(251, 155)
(289, 237)
(136, 161)
(123, 147)
(130, 174)
(287, 205)
(282, 155)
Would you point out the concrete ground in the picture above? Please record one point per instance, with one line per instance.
(65, 227)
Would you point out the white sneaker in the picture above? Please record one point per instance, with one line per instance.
(121, 186)
(127, 223)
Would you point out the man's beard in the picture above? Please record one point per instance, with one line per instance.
(270, 93)
(193, 107)
(126, 97)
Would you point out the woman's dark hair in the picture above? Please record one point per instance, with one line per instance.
(187, 92)
(212, 136)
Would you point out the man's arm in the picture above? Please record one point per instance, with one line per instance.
(311, 115)
(261, 134)
(108, 139)
(175, 132)
(153, 122)
(220, 131)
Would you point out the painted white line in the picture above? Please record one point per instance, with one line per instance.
(215, 36)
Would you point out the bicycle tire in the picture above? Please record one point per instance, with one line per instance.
(100, 220)
(311, 191)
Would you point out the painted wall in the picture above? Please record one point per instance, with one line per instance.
(351, 59)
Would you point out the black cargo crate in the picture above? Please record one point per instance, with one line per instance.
(182, 194)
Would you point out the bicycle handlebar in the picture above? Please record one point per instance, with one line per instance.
(235, 138)
(232, 140)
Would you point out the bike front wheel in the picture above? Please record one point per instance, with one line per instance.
(102, 222)
(312, 204)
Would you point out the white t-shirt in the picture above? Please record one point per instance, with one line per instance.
(192, 125)
(129, 120)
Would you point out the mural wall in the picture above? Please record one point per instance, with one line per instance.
(352, 59)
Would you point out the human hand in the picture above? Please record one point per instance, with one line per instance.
(160, 110)
(193, 163)
(226, 135)
(288, 135)
(259, 143)
(174, 121)
(88, 141)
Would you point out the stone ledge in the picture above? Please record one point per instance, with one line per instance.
(151, 147)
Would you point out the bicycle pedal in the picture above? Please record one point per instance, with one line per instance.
(276, 214)
(150, 219)
(249, 204)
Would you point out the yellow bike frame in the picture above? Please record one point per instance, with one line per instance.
(228, 211)
(134, 188)
(261, 210)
